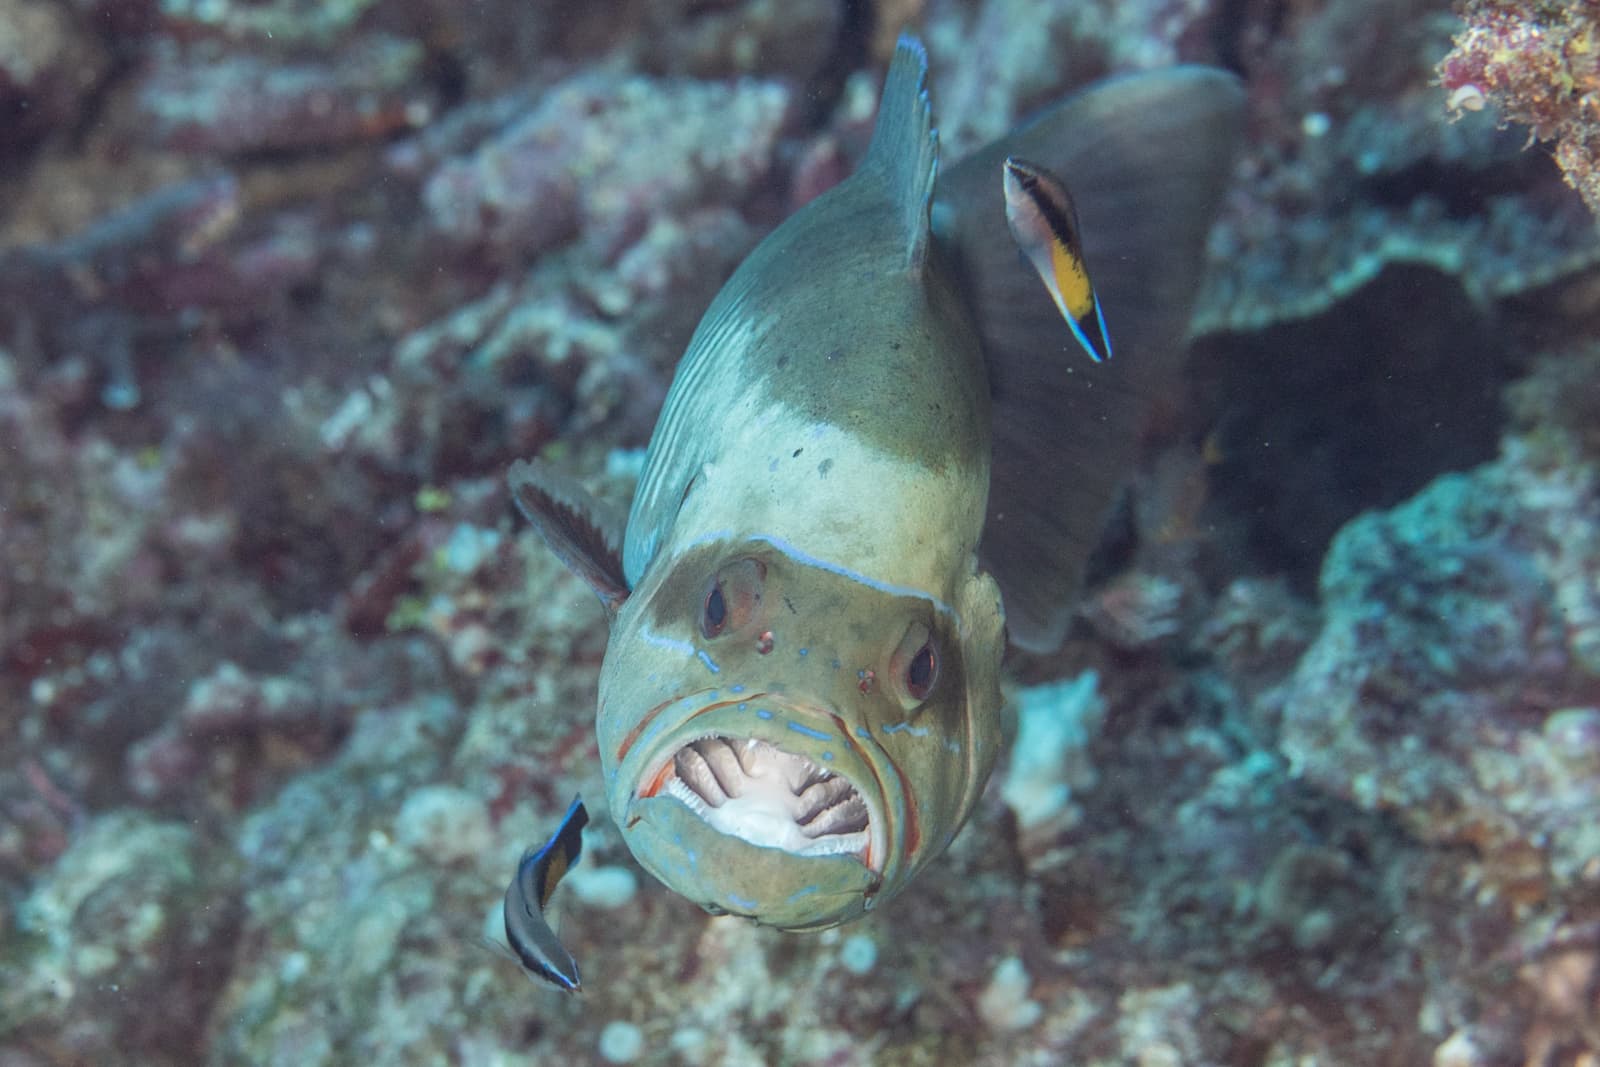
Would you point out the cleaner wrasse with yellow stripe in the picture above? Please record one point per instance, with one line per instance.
(1045, 225)
(537, 949)
(880, 428)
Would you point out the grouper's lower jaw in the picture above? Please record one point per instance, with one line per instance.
(727, 875)
(742, 826)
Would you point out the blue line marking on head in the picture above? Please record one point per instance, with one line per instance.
(832, 568)
(798, 893)
(800, 728)
(906, 728)
(827, 755)
(671, 644)
(736, 689)
(855, 576)
(743, 706)
(862, 731)
(711, 664)
(805, 652)
(764, 713)
(741, 901)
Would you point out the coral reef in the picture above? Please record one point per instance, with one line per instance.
(1359, 166)
(585, 162)
(286, 689)
(231, 103)
(121, 947)
(48, 69)
(1538, 65)
(1050, 756)
(1450, 680)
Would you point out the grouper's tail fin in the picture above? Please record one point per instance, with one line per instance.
(1146, 158)
(905, 146)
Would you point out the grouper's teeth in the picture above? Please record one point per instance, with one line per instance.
(798, 773)
(846, 816)
(695, 802)
(723, 759)
(802, 808)
(695, 771)
(820, 796)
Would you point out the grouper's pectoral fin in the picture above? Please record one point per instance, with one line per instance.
(583, 532)
(905, 147)
(1146, 157)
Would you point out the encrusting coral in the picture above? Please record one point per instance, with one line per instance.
(1537, 64)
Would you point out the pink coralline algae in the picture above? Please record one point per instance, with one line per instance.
(603, 156)
(1013, 71)
(1137, 610)
(85, 306)
(228, 704)
(48, 68)
(135, 903)
(709, 40)
(206, 100)
(1537, 64)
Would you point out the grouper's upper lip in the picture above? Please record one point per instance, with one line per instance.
(753, 788)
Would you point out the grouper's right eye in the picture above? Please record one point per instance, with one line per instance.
(915, 665)
(733, 598)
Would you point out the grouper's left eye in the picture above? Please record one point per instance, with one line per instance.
(732, 598)
(716, 611)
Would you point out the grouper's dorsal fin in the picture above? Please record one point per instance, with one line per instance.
(1147, 158)
(583, 532)
(904, 153)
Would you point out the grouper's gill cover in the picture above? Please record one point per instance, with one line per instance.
(799, 702)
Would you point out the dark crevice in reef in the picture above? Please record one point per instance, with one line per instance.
(1358, 408)
(1464, 192)
(1232, 23)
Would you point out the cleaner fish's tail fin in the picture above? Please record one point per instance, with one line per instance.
(1146, 158)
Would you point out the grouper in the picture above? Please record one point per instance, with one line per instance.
(890, 448)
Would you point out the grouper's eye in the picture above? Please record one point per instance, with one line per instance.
(716, 612)
(916, 664)
(923, 671)
(733, 597)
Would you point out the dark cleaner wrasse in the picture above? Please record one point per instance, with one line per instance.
(881, 426)
(536, 947)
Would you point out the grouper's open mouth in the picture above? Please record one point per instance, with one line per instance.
(753, 790)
